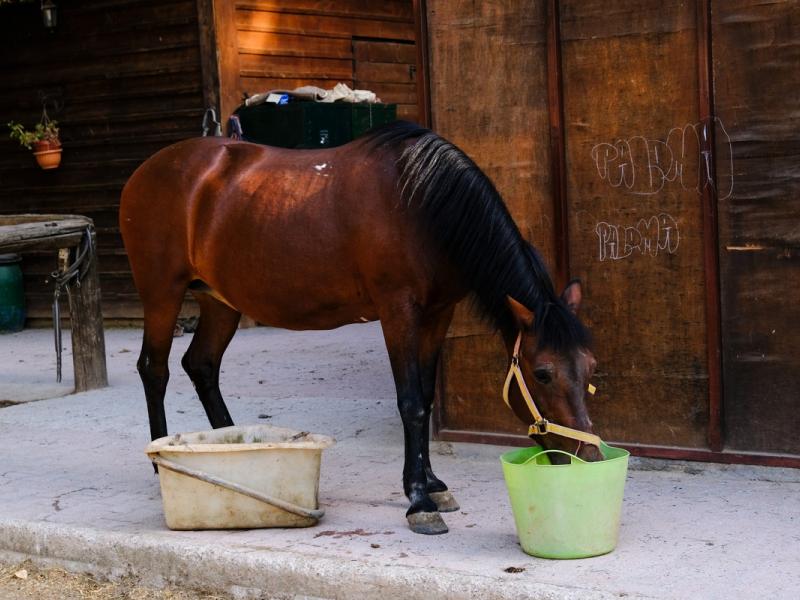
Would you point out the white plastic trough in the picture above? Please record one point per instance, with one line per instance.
(240, 477)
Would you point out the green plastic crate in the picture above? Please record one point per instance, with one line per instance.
(311, 124)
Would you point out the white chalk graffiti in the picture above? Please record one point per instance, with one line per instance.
(644, 166)
(650, 236)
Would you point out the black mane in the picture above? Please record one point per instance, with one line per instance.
(467, 217)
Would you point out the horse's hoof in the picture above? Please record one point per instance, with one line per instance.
(445, 501)
(427, 523)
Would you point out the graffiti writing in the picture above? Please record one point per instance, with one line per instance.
(647, 237)
(645, 166)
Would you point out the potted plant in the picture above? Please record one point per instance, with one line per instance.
(43, 140)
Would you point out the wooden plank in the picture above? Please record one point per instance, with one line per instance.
(257, 85)
(384, 52)
(664, 452)
(391, 93)
(253, 65)
(710, 227)
(88, 340)
(634, 231)
(385, 72)
(154, 62)
(487, 76)
(134, 108)
(230, 83)
(423, 83)
(408, 112)
(555, 104)
(118, 85)
(362, 9)
(209, 60)
(275, 22)
(20, 232)
(756, 50)
(114, 44)
(281, 44)
(95, 17)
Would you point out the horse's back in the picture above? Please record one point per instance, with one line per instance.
(269, 228)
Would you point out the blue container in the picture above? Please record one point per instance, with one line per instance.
(12, 294)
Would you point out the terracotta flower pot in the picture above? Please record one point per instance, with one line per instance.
(41, 146)
(48, 159)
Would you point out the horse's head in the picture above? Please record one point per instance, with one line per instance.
(557, 377)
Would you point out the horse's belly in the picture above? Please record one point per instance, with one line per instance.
(321, 316)
(298, 302)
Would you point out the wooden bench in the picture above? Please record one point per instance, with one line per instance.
(62, 233)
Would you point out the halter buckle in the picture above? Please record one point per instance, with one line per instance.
(540, 427)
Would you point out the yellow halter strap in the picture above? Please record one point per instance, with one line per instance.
(541, 426)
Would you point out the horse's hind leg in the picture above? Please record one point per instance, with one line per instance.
(432, 334)
(400, 322)
(202, 360)
(160, 315)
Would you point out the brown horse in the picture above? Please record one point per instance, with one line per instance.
(399, 225)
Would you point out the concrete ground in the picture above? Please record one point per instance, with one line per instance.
(76, 490)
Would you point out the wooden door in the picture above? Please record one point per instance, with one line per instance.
(635, 179)
(637, 244)
(388, 68)
(756, 49)
(679, 125)
(487, 73)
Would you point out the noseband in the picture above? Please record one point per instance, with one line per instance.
(542, 426)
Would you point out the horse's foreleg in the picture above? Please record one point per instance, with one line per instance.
(202, 360)
(401, 324)
(432, 338)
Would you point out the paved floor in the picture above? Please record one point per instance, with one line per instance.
(77, 490)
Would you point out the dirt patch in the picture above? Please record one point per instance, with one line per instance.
(349, 534)
(27, 582)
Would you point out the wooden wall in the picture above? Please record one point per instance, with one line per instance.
(488, 95)
(679, 127)
(756, 50)
(635, 234)
(124, 79)
(129, 77)
(290, 43)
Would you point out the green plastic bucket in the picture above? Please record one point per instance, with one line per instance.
(566, 511)
(12, 294)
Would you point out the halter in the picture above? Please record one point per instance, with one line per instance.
(542, 426)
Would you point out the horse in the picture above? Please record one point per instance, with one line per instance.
(398, 225)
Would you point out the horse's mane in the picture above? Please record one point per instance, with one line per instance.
(466, 216)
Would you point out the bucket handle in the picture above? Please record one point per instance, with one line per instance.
(239, 489)
(554, 451)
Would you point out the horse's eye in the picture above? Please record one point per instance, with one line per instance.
(542, 375)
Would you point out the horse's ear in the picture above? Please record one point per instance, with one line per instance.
(572, 295)
(523, 316)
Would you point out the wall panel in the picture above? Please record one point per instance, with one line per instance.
(366, 45)
(124, 80)
(634, 183)
(756, 50)
(488, 95)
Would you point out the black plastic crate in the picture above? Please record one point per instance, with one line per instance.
(311, 124)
